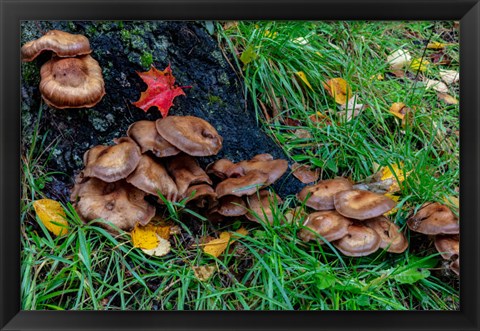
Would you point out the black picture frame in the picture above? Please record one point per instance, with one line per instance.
(12, 12)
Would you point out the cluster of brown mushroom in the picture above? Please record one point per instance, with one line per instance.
(156, 158)
(352, 220)
(71, 78)
(436, 219)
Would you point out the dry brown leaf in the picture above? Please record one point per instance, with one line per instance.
(163, 231)
(436, 85)
(52, 215)
(449, 76)
(302, 134)
(447, 98)
(162, 248)
(304, 174)
(339, 89)
(353, 109)
(216, 247)
(204, 272)
(399, 59)
(175, 229)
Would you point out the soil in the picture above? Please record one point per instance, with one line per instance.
(122, 49)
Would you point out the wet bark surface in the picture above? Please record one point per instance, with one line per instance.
(122, 49)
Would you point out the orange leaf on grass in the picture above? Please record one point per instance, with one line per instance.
(160, 91)
(339, 89)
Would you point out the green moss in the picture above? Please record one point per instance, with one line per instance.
(125, 36)
(214, 100)
(30, 73)
(146, 59)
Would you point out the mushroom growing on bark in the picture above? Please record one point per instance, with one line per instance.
(114, 162)
(145, 134)
(362, 205)
(449, 248)
(321, 194)
(329, 224)
(260, 206)
(434, 218)
(260, 163)
(62, 43)
(203, 195)
(359, 241)
(240, 186)
(392, 239)
(186, 172)
(231, 206)
(190, 134)
(119, 203)
(152, 177)
(74, 82)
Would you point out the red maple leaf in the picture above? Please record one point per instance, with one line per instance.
(160, 91)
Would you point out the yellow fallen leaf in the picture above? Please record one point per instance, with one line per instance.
(242, 231)
(447, 98)
(394, 198)
(163, 231)
(395, 173)
(204, 272)
(436, 45)
(452, 201)
(144, 237)
(303, 77)
(216, 247)
(397, 109)
(339, 89)
(161, 249)
(377, 77)
(419, 64)
(52, 215)
(399, 59)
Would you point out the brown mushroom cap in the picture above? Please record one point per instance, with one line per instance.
(145, 134)
(124, 206)
(322, 193)
(90, 186)
(240, 186)
(391, 237)
(186, 172)
(433, 219)
(220, 168)
(447, 246)
(190, 134)
(328, 224)
(203, 195)
(455, 266)
(360, 241)
(74, 82)
(113, 163)
(260, 206)
(231, 206)
(62, 43)
(152, 177)
(361, 205)
(261, 163)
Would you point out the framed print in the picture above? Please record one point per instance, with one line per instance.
(239, 165)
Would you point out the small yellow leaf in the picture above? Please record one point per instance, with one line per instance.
(242, 231)
(270, 34)
(377, 77)
(447, 98)
(339, 89)
(303, 77)
(452, 201)
(216, 247)
(144, 237)
(319, 54)
(52, 215)
(161, 249)
(163, 231)
(419, 64)
(396, 174)
(397, 109)
(436, 45)
(204, 272)
(394, 198)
